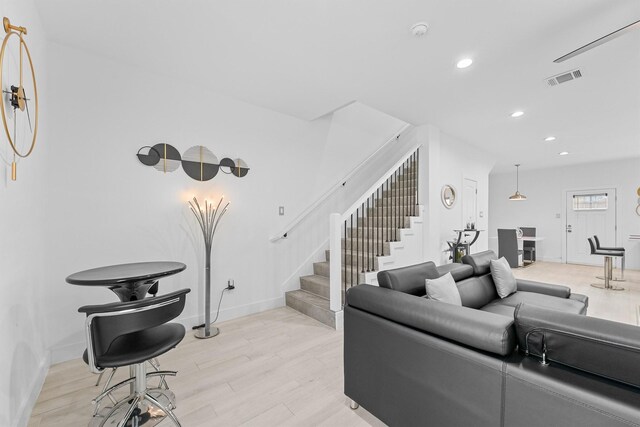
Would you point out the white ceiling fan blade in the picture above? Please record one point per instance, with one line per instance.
(599, 41)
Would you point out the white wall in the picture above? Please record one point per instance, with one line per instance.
(545, 190)
(23, 277)
(447, 160)
(107, 208)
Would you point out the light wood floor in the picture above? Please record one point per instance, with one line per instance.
(280, 368)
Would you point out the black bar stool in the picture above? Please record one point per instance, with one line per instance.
(130, 334)
(608, 255)
(598, 247)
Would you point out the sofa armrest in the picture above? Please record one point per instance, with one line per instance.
(600, 347)
(478, 329)
(543, 288)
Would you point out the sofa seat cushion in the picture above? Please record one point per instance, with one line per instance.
(501, 309)
(457, 270)
(565, 305)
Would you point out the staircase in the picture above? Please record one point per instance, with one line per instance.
(371, 237)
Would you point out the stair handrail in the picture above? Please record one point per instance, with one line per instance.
(339, 184)
(335, 231)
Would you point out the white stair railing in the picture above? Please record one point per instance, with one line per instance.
(393, 197)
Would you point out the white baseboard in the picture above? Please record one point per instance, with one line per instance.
(24, 413)
(549, 259)
(234, 312)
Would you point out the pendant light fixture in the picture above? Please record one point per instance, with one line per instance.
(517, 195)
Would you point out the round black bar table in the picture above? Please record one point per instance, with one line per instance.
(129, 281)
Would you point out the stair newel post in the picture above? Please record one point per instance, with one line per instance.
(417, 177)
(413, 186)
(362, 238)
(344, 260)
(397, 216)
(357, 246)
(404, 195)
(351, 252)
(368, 219)
(378, 220)
(335, 267)
(392, 214)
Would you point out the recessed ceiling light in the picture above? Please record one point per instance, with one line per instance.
(517, 114)
(464, 63)
(563, 153)
(419, 29)
(550, 138)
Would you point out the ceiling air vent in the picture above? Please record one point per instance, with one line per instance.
(564, 77)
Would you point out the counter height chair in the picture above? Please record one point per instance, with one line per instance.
(130, 334)
(528, 247)
(619, 249)
(608, 255)
(508, 246)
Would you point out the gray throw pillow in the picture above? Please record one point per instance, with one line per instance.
(443, 289)
(503, 277)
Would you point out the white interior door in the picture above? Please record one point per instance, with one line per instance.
(469, 202)
(589, 213)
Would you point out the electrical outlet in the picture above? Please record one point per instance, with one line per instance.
(281, 210)
(231, 284)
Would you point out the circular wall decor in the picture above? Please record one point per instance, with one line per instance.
(200, 163)
(169, 159)
(240, 169)
(448, 196)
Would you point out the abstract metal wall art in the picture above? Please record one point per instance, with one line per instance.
(198, 162)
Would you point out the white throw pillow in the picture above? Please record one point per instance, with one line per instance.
(443, 289)
(503, 277)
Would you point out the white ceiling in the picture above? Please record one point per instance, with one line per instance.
(308, 57)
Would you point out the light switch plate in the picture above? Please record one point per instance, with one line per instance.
(481, 214)
(281, 210)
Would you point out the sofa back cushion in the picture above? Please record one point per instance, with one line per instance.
(457, 270)
(601, 347)
(480, 261)
(476, 292)
(474, 328)
(410, 279)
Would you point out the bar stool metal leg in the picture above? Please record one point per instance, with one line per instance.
(611, 276)
(608, 271)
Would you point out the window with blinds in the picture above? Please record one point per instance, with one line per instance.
(589, 202)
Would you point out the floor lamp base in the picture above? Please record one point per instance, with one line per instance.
(213, 331)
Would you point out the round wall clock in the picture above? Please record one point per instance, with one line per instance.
(19, 100)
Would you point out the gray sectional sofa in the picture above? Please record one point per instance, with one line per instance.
(531, 359)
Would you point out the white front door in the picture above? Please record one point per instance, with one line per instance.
(589, 213)
(469, 202)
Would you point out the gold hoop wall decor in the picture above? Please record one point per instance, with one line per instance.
(14, 95)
